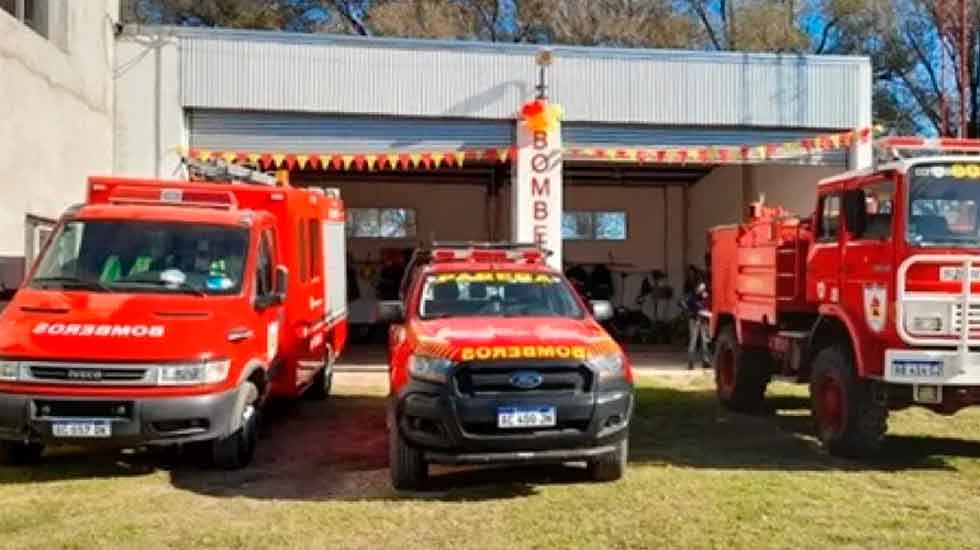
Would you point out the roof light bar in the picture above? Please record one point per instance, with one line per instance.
(487, 253)
(170, 196)
(891, 148)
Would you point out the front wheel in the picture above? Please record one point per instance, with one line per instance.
(849, 422)
(741, 374)
(612, 466)
(409, 470)
(17, 453)
(236, 450)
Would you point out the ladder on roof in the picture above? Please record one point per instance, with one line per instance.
(897, 148)
(221, 170)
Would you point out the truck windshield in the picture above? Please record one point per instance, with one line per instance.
(136, 256)
(943, 201)
(497, 294)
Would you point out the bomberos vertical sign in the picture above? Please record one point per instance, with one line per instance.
(536, 195)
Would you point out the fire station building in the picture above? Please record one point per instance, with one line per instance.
(422, 137)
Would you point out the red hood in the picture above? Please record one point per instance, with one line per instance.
(115, 326)
(449, 337)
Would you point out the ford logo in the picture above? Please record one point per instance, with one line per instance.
(526, 380)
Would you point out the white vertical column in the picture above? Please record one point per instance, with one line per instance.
(536, 190)
(862, 152)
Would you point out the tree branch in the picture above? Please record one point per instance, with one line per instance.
(703, 15)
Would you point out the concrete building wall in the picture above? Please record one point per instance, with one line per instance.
(56, 117)
(150, 122)
(722, 196)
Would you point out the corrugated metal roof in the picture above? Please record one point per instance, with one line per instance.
(266, 71)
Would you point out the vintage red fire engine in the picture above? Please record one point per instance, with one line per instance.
(497, 360)
(874, 300)
(158, 313)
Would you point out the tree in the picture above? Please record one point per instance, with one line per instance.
(239, 14)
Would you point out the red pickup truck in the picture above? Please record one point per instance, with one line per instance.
(494, 358)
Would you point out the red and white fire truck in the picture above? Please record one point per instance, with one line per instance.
(158, 314)
(874, 300)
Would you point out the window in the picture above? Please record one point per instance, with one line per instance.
(38, 232)
(944, 205)
(301, 250)
(144, 257)
(263, 275)
(381, 223)
(49, 18)
(878, 205)
(594, 226)
(829, 218)
(315, 250)
(497, 294)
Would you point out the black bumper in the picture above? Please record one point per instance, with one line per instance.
(457, 428)
(134, 421)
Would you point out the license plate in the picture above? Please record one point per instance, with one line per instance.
(909, 368)
(527, 417)
(86, 428)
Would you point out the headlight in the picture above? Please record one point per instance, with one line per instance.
(927, 324)
(927, 318)
(431, 369)
(609, 366)
(9, 371)
(207, 372)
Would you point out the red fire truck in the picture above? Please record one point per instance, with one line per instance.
(874, 300)
(495, 359)
(158, 314)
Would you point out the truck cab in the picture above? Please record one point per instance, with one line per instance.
(494, 358)
(874, 300)
(165, 313)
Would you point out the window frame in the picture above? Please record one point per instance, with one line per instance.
(352, 214)
(836, 194)
(593, 215)
(266, 245)
(866, 186)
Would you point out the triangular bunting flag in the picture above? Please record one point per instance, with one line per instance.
(347, 159)
(302, 161)
(277, 160)
(371, 159)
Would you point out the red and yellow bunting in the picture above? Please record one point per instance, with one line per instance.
(431, 160)
(721, 154)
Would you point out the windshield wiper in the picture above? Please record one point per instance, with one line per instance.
(74, 282)
(186, 288)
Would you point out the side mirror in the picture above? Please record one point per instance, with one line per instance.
(280, 284)
(855, 212)
(391, 311)
(602, 310)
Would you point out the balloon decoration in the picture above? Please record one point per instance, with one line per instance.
(540, 115)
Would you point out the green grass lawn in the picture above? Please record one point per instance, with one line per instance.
(699, 477)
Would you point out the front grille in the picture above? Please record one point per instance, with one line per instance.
(87, 374)
(49, 408)
(490, 379)
(972, 318)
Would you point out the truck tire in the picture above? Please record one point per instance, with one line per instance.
(236, 450)
(323, 380)
(741, 374)
(612, 466)
(409, 471)
(18, 453)
(849, 423)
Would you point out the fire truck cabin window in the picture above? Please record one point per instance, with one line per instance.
(943, 201)
(829, 217)
(594, 226)
(878, 211)
(144, 257)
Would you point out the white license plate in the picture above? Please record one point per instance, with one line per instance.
(82, 428)
(919, 369)
(527, 417)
